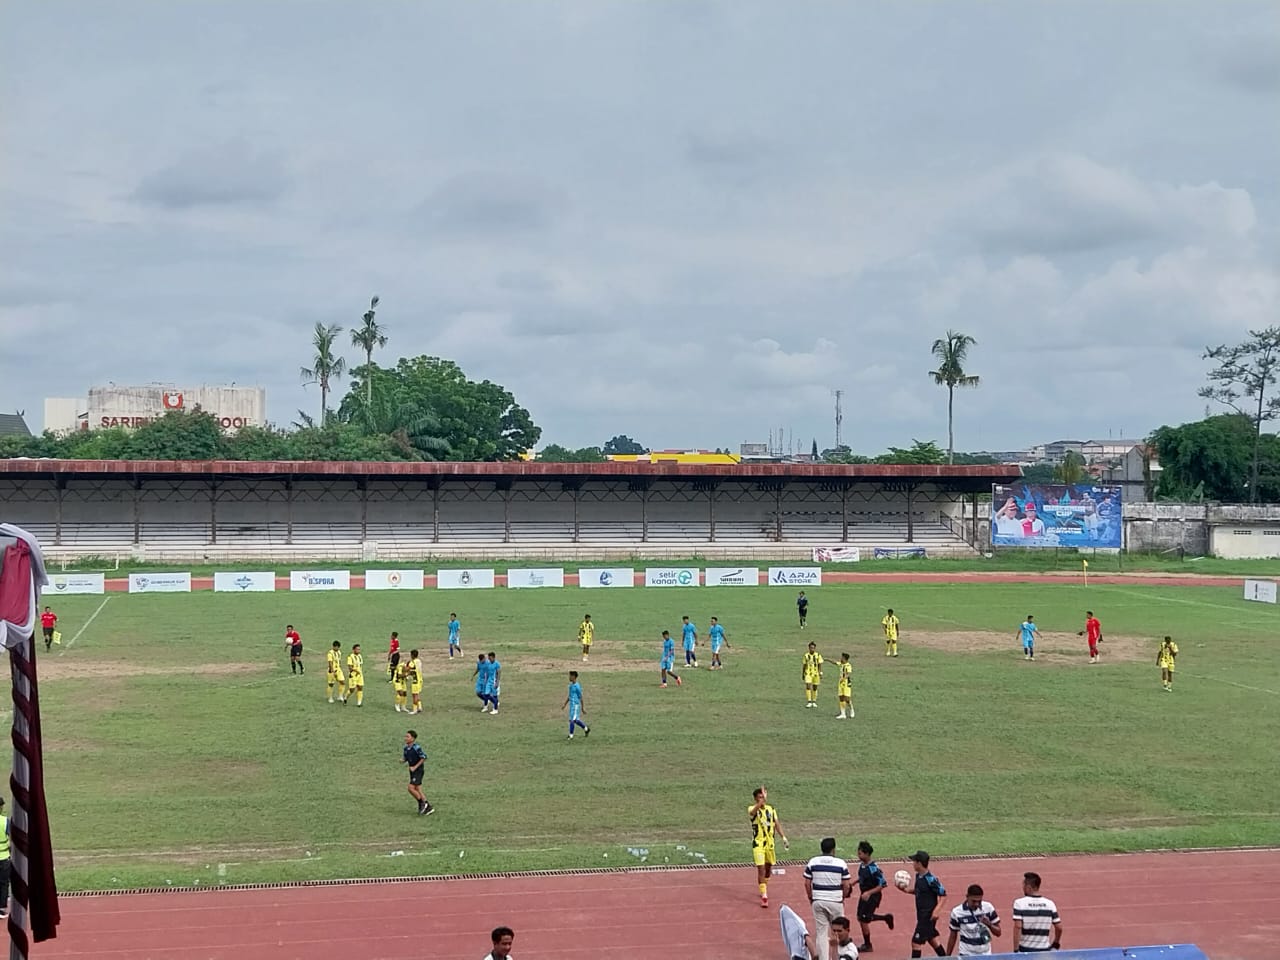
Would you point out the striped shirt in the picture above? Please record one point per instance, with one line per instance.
(975, 938)
(828, 875)
(1037, 915)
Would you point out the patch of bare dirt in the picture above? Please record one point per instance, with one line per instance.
(597, 663)
(1051, 647)
(63, 669)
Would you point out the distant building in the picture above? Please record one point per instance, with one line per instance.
(677, 456)
(114, 406)
(13, 425)
(1130, 471)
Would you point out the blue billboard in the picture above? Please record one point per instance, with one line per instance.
(1056, 515)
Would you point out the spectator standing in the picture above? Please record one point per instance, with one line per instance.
(827, 883)
(4, 862)
(973, 923)
(1037, 927)
(503, 938)
(842, 945)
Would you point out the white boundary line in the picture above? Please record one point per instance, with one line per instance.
(85, 627)
(1242, 686)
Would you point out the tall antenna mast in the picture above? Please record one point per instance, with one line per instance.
(839, 417)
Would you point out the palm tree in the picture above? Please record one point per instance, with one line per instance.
(415, 428)
(951, 352)
(325, 365)
(368, 338)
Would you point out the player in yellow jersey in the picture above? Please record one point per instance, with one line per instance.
(586, 633)
(414, 676)
(890, 624)
(1165, 661)
(812, 675)
(764, 826)
(333, 672)
(400, 684)
(844, 688)
(355, 674)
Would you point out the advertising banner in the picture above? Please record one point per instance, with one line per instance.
(672, 577)
(1056, 515)
(320, 580)
(159, 583)
(795, 576)
(732, 576)
(464, 579)
(1261, 591)
(244, 582)
(836, 555)
(394, 579)
(534, 578)
(66, 583)
(592, 577)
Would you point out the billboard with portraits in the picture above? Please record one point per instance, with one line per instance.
(1056, 515)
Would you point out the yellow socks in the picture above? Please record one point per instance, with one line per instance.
(764, 889)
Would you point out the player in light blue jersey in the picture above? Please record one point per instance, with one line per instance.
(574, 702)
(455, 635)
(668, 658)
(690, 643)
(716, 635)
(493, 682)
(1027, 632)
(481, 677)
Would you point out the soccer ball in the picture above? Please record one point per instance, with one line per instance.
(902, 879)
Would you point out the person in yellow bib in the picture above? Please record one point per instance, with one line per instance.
(586, 633)
(811, 673)
(890, 624)
(414, 676)
(355, 674)
(400, 684)
(765, 825)
(844, 688)
(1165, 660)
(4, 862)
(333, 672)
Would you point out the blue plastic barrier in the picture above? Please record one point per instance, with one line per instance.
(1173, 951)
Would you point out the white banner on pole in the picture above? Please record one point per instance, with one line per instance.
(672, 577)
(394, 579)
(534, 578)
(732, 576)
(159, 583)
(836, 555)
(795, 576)
(595, 577)
(320, 580)
(1261, 591)
(236, 582)
(471, 579)
(66, 583)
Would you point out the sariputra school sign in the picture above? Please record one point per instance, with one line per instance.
(232, 407)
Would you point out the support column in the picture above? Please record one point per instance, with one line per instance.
(288, 512)
(911, 499)
(711, 511)
(577, 497)
(435, 512)
(777, 512)
(213, 511)
(60, 486)
(506, 514)
(844, 512)
(137, 512)
(644, 513)
(363, 486)
(974, 539)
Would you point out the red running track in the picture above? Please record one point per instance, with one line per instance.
(121, 585)
(1227, 902)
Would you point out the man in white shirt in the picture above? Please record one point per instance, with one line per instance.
(503, 937)
(827, 883)
(973, 923)
(1037, 928)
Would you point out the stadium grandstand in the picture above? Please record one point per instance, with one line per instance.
(162, 511)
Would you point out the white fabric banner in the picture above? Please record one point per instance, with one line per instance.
(394, 579)
(77, 583)
(732, 576)
(320, 580)
(159, 583)
(594, 577)
(672, 577)
(535, 577)
(239, 582)
(795, 576)
(836, 555)
(471, 579)
(1263, 591)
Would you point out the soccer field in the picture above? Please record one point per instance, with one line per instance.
(180, 749)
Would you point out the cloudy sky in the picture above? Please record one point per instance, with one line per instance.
(684, 221)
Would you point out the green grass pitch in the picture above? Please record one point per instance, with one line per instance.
(179, 748)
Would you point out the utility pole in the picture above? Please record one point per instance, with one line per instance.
(839, 416)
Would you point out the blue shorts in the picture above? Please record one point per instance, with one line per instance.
(715, 647)
(575, 712)
(668, 663)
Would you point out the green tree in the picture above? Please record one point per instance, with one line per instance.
(622, 444)
(842, 454)
(256, 443)
(951, 352)
(921, 452)
(369, 336)
(555, 453)
(479, 420)
(1071, 469)
(1207, 459)
(1040, 473)
(343, 442)
(1240, 381)
(416, 429)
(814, 454)
(177, 435)
(326, 365)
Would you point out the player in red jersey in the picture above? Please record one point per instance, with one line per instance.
(393, 656)
(48, 623)
(1092, 630)
(294, 643)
